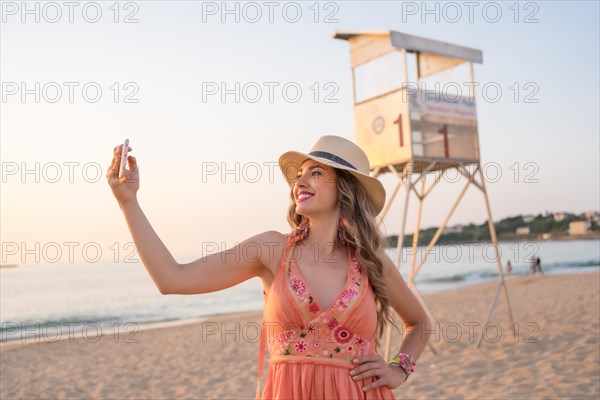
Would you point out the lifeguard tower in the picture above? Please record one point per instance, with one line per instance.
(415, 114)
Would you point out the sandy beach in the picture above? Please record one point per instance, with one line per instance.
(554, 354)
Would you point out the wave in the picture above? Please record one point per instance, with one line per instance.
(487, 274)
(444, 279)
(590, 263)
(53, 329)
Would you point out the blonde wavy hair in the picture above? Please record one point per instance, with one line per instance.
(361, 232)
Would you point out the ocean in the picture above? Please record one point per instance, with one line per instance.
(54, 302)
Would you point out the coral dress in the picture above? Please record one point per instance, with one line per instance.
(311, 348)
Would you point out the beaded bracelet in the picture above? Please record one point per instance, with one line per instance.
(404, 361)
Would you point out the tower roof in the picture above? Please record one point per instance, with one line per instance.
(418, 43)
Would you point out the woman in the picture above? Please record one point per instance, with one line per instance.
(329, 286)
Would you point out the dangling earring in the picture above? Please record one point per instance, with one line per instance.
(341, 230)
(303, 228)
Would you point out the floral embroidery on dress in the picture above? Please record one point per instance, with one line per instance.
(331, 324)
(342, 335)
(347, 296)
(355, 262)
(284, 338)
(363, 345)
(298, 287)
(364, 349)
(313, 307)
(323, 335)
(300, 346)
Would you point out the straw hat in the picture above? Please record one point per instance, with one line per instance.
(339, 153)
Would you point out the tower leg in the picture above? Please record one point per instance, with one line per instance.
(399, 246)
(411, 278)
(388, 332)
(498, 261)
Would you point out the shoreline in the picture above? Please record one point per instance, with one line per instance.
(142, 327)
(166, 324)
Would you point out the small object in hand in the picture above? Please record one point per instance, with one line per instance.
(124, 151)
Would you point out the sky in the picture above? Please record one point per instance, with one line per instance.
(181, 81)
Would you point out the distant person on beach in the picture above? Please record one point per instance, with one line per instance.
(538, 265)
(329, 286)
(508, 268)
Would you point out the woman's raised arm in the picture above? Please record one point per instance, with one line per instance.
(208, 274)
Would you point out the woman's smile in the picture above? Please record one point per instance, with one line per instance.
(304, 196)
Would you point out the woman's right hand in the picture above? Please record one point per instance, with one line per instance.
(123, 189)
